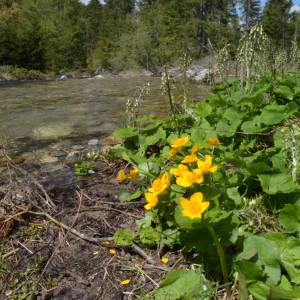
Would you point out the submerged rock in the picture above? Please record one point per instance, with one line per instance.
(52, 131)
(46, 159)
(93, 142)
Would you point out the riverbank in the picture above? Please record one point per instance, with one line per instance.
(195, 71)
(56, 232)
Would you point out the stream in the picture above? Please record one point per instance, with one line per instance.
(41, 114)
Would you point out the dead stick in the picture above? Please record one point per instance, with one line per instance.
(84, 237)
(93, 240)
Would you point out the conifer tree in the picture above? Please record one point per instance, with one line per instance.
(251, 13)
(276, 21)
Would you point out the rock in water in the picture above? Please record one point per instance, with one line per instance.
(93, 142)
(52, 131)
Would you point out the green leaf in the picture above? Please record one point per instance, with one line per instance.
(259, 290)
(124, 237)
(126, 196)
(170, 237)
(253, 126)
(182, 284)
(203, 109)
(156, 137)
(150, 236)
(289, 216)
(234, 195)
(256, 168)
(289, 254)
(234, 113)
(273, 114)
(284, 91)
(226, 128)
(200, 133)
(274, 183)
(125, 133)
(268, 261)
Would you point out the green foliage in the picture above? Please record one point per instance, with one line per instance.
(83, 169)
(257, 158)
(271, 274)
(184, 284)
(276, 21)
(289, 217)
(251, 11)
(124, 237)
(64, 35)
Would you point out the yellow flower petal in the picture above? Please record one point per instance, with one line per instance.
(133, 173)
(195, 149)
(195, 207)
(186, 179)
(160, 184)
(165, 260)
(206, 165)
(189, 159)
(198, 176)
(172, 153)
(121, 176)
(213, 141)
(179, 170)
(180, 142)
(124, 282)
(151, 199)
(112, 251)
(106, 243)
(214, 169)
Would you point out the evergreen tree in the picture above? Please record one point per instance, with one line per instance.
(251, 13)
(276, 21)
(115, 22)
(93, 18)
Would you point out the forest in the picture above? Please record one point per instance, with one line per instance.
(60, 35)
(159, 185)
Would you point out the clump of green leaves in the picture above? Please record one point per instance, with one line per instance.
(83, 169)
(258, 171)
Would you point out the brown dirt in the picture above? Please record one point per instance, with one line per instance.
(39, 260)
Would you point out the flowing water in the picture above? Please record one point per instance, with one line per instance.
(34, 114)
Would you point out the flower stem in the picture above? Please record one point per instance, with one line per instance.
(221, 255)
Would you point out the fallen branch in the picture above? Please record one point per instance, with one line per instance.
(97, 241)
(84, 237)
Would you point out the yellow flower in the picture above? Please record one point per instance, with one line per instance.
(186, 179)
(195, 207)
(180, 142)
(179, 170)
(198, 176)
(133, 173)
(112, 251)
(121, 176)
(165, 260)
(189, 159)
(124, 282)
(151, 199)
(194, 149)
(172, 153)
(213, 141)
(106, 243)
(206, 165)
(160, 184)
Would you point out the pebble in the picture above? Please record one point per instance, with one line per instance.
(93, 142)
